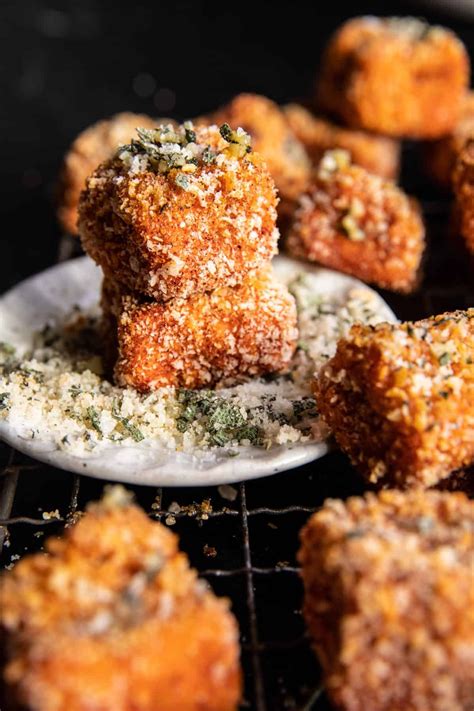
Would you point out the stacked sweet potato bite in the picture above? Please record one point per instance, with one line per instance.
(354, 221)
(183, 223)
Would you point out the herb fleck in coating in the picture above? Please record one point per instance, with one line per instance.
(91, 147)
(355, 222)
(377, 154)
(400, 399)
(220, 336)
(389, 600)
(112, 617)
(170, 218)
(395, 76)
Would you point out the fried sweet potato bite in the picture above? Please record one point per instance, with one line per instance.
(396, 76)
(272, 137)
(113, 617)
(463, 182)
(389, 600)
(354, 221)
(221, 336)
(441, 155)
(180, 211)
(377, 154)
(399, 399)
(92, 146)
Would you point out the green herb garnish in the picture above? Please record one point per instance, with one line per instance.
(7, 349)
(240, 140)
(444, 359)
(128, 426)
(208, 155)
(93, 417)
(132, 429)
(182, 181)
(4, 397)
(189, 134)
(221, 419)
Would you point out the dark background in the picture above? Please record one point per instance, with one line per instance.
(63, 65)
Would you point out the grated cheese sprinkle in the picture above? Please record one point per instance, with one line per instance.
(57, 392)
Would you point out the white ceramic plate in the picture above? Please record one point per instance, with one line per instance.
(50, 297)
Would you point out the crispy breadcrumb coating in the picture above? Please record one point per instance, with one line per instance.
(396, 76)
(91, 147)
(272, 137)
(399, 398)
(112, 617)
(441, 155)
(354, 221)
(180, 212)
(377, 154)
(220, 336)
(389, 600)
(463, 182)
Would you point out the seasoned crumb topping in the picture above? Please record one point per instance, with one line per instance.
(169, 147)
(57, 391)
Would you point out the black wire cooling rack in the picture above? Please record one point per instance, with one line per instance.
(244, 546)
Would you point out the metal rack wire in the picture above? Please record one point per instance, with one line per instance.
(245, 548)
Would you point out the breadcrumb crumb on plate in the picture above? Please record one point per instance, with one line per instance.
(55, 404)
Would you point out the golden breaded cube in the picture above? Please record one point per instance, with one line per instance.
(396, 76)
(355, 222)
(377, 154)
(91, 147)
(272, 137)
(399, 399)
(222, 336)
(463, 182)
(441, 155)
(113, 617)
(180, 211)
(389, 600)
